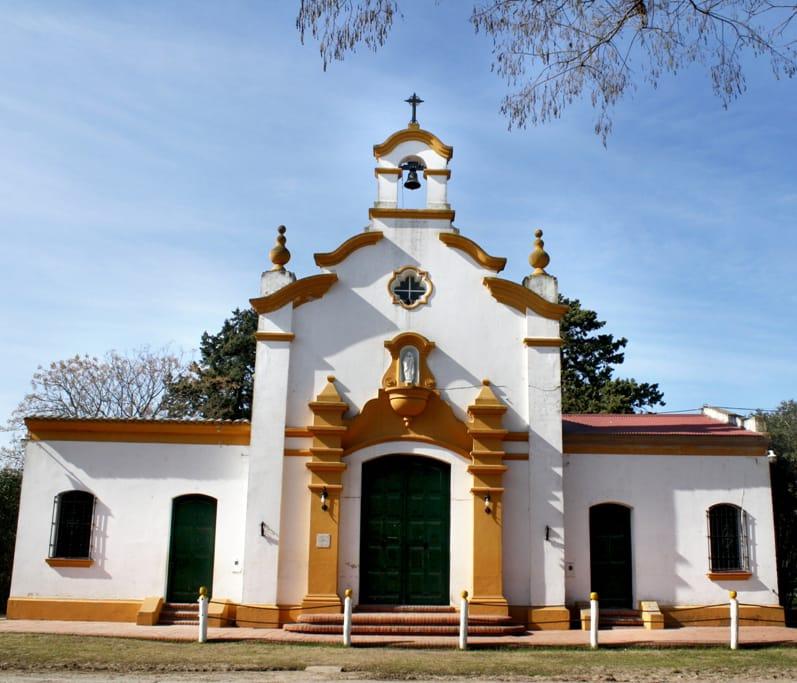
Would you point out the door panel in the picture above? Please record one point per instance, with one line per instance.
(610, 554)
(191, 548)
(405, 531)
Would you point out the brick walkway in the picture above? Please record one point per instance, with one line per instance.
(681, 637)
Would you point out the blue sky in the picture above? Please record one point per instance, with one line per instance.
(148, 151)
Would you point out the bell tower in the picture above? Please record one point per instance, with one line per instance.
(419, 160)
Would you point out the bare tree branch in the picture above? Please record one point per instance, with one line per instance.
(552, 53)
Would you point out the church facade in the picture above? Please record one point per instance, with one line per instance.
(406, 442)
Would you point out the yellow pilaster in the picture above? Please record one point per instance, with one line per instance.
(487, 469)
(325, 486)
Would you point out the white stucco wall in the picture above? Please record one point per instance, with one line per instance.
(668, 497)
(134, 484)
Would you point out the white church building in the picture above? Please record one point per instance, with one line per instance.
(406, 442)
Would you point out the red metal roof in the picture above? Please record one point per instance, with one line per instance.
(606, 423)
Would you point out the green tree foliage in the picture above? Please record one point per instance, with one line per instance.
(782, 427)
(10, 484)
(219, 386)
(588, 360)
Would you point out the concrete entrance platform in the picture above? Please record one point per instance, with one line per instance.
(682, 637)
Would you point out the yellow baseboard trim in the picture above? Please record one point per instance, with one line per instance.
(73, 609)
(276, 616)
(150, 611)
(551, 618)
(222, 613)
(719, 615)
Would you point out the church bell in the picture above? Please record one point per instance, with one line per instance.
(413, 167)
(412, 180)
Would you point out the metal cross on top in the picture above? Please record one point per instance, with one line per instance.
(414, 101)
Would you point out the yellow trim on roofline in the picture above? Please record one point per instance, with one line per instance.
(324, 259)
(409, 135)
(139, 431)
(299, 292)
(520, 298)
(473, 250)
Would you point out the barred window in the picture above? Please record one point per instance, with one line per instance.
(73, 516)
(727, 538)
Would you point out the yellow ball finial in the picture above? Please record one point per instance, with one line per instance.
(732, 594)
(539, 257)
(279, 254)
(347, 593)
(464, 595)
(593, 596)
(203, 592)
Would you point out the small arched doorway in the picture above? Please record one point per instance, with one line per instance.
(404, 531)
(193, 541)
(610, 554)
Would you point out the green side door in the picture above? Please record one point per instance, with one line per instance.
(191, 549)
(610, 554)
(404, 549)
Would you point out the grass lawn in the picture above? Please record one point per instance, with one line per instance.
(38, 653)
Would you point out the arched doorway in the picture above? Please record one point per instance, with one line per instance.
(610, 554)
(404, 531)
(193, 540)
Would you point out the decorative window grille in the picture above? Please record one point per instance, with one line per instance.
(727, 539)
(72, 524)
(410, 287)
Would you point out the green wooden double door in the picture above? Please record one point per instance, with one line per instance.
(191, 549)
(610, 554)
(404, 531)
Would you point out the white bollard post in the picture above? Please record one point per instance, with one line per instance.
(203, 615)
(347, 618)
(734, 620)
(594, 617)
(463, 621)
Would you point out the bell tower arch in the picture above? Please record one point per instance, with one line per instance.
(416, 158)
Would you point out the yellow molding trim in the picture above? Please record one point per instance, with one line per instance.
(520, 298)
(542, 341)
(299, 292)
(150, 611)
(754, 445)
(297, 453)
(516, 436)
(324, 259)
(298, 432)
(437, 171)
(143, 431)
(410, 134)
(66, 609)
(275, 336)
(384, 170)
(718, 615)
(69, 561)
(415, 214)
(473, 250)
(729, 576)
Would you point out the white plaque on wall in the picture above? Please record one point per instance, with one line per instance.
(323, 540)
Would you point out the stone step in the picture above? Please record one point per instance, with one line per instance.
(183, 613)
(405, 629)
(404, 608)
(440, 622)
(406, 618)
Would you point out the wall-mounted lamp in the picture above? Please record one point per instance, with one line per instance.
(547, 533)
(324, 498)
(488, 508)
